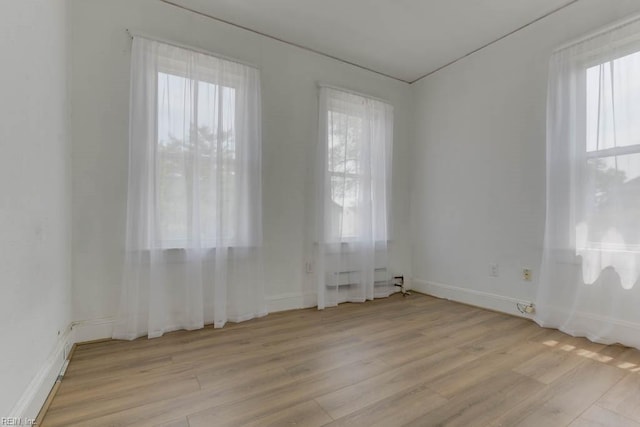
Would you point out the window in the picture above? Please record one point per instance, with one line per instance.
(590, 266)
(345, 171)
(358, 154)
(195, 150)
(612, 178)
(196, 159)
(352, 197)
(193, 251)
(604, 164)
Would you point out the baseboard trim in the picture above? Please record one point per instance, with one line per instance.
(92, 330)
(34, 397)
(102, 328)
(291, 301)
(47, 403)
(589, 325)
(472, 297)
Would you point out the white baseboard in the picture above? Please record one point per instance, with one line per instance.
(595, 327)
(36, 393)
(32, 399)
(473, 297)
(309, 299)
(290, 301)
(94, 329)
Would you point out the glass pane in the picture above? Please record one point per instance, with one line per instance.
(337, 125)
(345, 139)
(216, 161)
(345, 190)
(196, 169)
(613, 103)
(613, 202)
(175, 115)
(345, 194)
(344, 152)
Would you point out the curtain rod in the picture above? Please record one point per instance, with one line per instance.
(600, 31)
(134, 33)
(352, 92)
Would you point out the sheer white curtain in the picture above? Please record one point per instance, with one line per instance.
(353, 176)
(194, 226)
(589, 284)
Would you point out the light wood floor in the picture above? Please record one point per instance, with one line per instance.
(416, 361)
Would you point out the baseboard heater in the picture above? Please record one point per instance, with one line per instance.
(346, 278)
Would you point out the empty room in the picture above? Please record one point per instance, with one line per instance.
(320, 213)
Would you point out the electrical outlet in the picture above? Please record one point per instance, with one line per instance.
(494, 270)
(526, 308)
(526, 274)
(308, 266)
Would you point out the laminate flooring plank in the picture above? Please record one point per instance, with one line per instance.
(624, 397)
(596, 416)
(390, 362)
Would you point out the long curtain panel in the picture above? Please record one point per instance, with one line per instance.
(353, 176)
(194, 217)
(589, 284)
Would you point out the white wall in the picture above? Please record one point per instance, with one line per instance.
(34, 202)
(478, 184)
(477, 165)
(101, 56)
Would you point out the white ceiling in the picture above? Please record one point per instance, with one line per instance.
(404, 39)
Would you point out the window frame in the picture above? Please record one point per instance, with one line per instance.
(358, 177)
(363, 102)
(585, 62)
